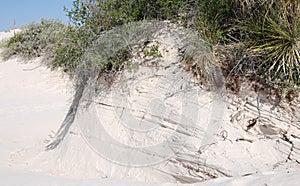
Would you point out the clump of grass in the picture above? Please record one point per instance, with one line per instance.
(199, 58)
(212, 20)
(35, 40)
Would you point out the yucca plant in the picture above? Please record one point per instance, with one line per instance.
(275, 40)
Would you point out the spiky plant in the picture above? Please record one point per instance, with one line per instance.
(276, 41)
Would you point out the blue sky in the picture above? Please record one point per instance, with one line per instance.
(27, 11)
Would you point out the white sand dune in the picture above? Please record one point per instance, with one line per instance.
(34, 101)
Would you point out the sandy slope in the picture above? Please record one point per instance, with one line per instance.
(34, 100)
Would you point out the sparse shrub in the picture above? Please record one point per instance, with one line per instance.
(35, 40)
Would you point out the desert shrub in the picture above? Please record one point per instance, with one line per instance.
(70, 49)
(89, 18)
(102, 15)
(35, 39)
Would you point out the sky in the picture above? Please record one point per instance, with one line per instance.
(27, 11)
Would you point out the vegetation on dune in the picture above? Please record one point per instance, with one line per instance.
(91, 18)
(243, 40)
(256, 40)
(259, 39)
(35, 40)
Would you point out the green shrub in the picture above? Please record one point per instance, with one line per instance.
(35, 40)
(102, 15)
(90, 18)
(70, 49)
